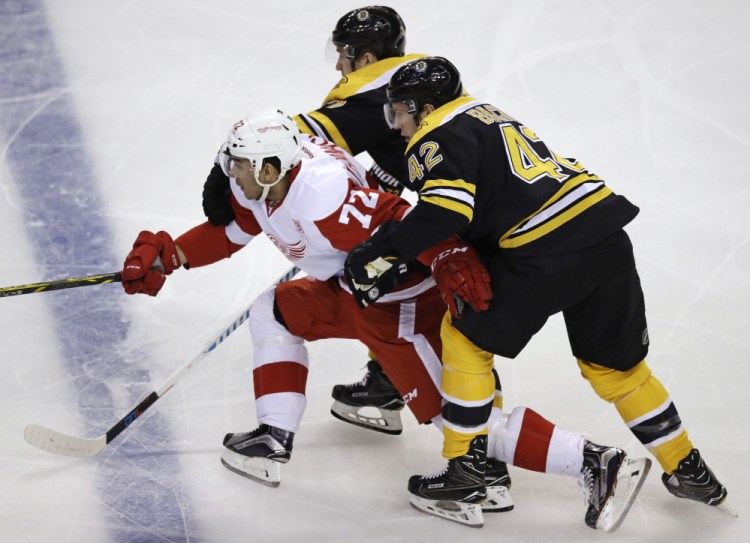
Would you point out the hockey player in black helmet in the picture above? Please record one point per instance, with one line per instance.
(377, 30)
(551, 235)
(368, 44)
(434, 81)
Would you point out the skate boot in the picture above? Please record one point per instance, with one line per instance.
(610, 481)
(456, 492)
(497, 481)
(694, 480)
(375, 393)
(258, 455)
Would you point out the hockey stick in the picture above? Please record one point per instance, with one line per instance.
(73, 282)
(59, 443)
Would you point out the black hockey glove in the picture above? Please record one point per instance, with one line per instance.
(380, 277)
(217, 198)
(372, 270)
(386, 181)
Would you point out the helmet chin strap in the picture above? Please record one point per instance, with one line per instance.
(266, 186)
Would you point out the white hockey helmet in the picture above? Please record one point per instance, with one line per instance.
(270, 134)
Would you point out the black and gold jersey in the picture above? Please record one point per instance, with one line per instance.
(352, 117)
(486, 176)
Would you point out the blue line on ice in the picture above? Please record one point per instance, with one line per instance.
(140, 492)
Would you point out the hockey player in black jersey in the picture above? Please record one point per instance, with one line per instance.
(368, 46)
(550, 234)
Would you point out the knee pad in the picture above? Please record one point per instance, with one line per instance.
(610, 384)
(279, 367)
(271, 340)
(461, 354)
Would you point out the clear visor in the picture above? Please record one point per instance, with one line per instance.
(336, 53)
(226, 160)
(390, 115)
(396, 117)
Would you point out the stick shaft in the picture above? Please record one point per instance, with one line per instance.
(149, 400)
(60, 284)
(59, 443)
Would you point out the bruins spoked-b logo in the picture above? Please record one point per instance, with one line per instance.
(420, 66)
(362, 15)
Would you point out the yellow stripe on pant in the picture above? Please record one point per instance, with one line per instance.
(468, 387)
(645, 406)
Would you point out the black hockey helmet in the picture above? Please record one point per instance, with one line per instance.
(375, 28)
(429, 80)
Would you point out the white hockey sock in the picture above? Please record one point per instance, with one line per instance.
(528, 440)
(497, 425)
(565, 454)
(280, 366)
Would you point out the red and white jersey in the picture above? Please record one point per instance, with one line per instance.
(328, 210)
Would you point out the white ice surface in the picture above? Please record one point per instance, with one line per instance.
(652, 96)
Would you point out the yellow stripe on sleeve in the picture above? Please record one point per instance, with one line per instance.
(332, 129)
(459, 207)
(455, 183)
(302, 125)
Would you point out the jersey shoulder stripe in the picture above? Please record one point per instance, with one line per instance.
(442, 116)
(307, 125)
(368, 78)
(327, 129)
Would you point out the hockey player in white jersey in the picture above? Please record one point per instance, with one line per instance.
(313, 201)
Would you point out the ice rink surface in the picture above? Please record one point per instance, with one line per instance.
(110, 116)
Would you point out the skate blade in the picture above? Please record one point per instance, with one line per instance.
(388, 421)
(499, 500)
(630, 478)
(728, 510)
(468, 514)
(261, 470)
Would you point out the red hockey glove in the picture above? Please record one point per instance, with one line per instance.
(461, 277)
(153, 257)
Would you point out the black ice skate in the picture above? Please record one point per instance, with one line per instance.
(610, 481)
(497, 481)
(694, 480)
(456, 492)
(374, 393)
(259, 454)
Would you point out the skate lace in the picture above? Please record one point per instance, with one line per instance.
(361, 383)
(436, 474)
(586, 482)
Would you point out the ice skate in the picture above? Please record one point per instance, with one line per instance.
(258, 455)
(457, 492)
(610, 481)
(497, 481)
(372, 403)
(694, 480)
